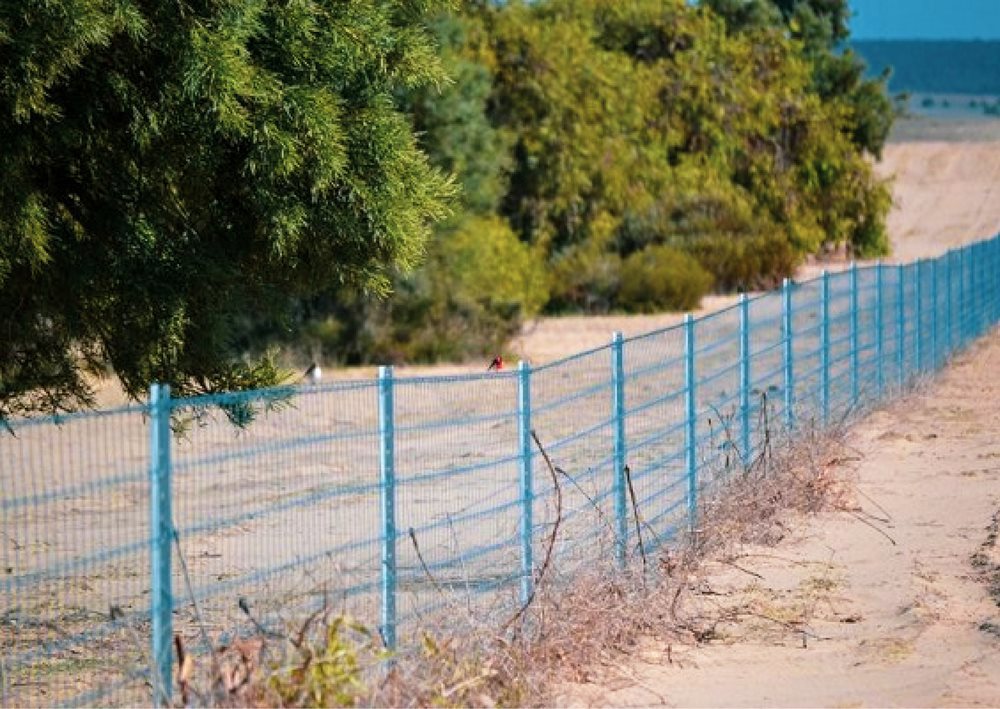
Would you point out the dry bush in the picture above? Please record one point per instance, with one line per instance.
(574, 627)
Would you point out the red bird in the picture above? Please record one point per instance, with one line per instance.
(496, 364)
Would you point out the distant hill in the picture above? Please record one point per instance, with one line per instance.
(935, 66)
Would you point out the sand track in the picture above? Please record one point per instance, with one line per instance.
(910, 624)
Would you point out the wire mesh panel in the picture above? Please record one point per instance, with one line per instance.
(572, 409)
(767, 371)
(654, 421)
(807, 342)
(74, 535)
(718, 367)
(843, 316)
(910, 322)
(868, 356)
(458, 496)
(892, 328)
(275, 504)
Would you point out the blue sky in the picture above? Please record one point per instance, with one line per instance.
(925, 19)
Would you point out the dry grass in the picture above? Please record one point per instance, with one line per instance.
(573, 629)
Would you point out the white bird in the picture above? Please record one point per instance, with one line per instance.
(314, 374)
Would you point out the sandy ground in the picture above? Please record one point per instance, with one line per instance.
(903, 623)
(909, 623)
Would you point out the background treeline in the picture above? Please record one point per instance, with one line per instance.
(951, 67)
(619, 157)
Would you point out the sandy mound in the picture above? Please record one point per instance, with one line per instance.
(944, 195)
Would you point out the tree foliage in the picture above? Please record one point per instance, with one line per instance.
(186, 183)
(821, 28)
(655, 122)
(171, 170)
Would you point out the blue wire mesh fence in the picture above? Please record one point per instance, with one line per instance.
(419, 501)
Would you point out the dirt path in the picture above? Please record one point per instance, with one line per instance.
(910, 624)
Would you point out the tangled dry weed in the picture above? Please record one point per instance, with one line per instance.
(574, 626)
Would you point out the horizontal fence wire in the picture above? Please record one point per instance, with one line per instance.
(426, 502)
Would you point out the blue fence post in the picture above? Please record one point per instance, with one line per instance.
(918, 331)
(949, 262)
(161, 535)
(879, 329)
(900, 326)
(691, 422)
(969, 295)
(387, 488)
(855, 355)
(989, 295)
(974, 283)
(618, 415)
(527, 483)
(974, 287)
(972, 291)
(787, 320)
(989, 278)
(981, 256)
(986, 283)
(935, 307)
(970, 303)
(994, 273)
(958, 314)
(745, 379)
(824, 352)
(977, 291)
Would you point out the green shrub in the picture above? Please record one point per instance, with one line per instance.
(662, 278)
(478, 285)
(483, 261)
(739, 262)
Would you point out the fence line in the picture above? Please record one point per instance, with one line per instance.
(417, 500)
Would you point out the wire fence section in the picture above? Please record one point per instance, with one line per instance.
(410, 502)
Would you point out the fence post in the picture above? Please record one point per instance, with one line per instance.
(972, 293)
(900, 326)
(981, 286)
(966, 297)
(618, 414)
(963, 306)
(987, 284)
(161, 535)
(993, 274)
(745, 379)
(879, 329)
(918, 317)
(935, 307)
(989, 248)
(787, 320)
(977, 291)
(527, 486)
(691, 427)
(989, 279)
(948, 299)
(825, 346)
(387, 488)
(855, 356)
